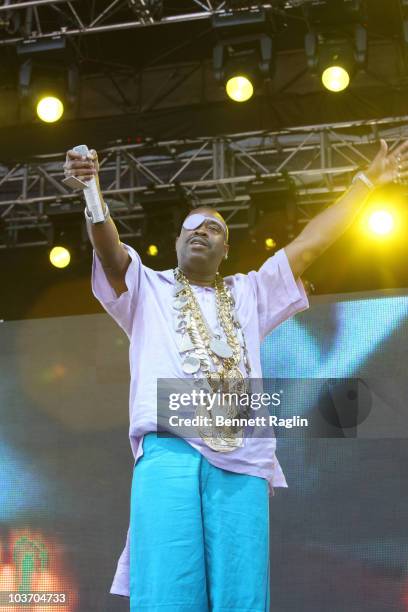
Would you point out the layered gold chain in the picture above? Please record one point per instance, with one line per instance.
(224, 305)
(225, 355)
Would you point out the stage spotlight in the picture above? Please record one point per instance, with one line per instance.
(337, 44)
(381, 222)
(152, 250)
(335, 78)
(50, 109)
(239, 88)
(332, 60)
(270, 244)
(60, 257)
(244, 55)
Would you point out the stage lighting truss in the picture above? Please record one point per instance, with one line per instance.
(320, 161)
(33, 21)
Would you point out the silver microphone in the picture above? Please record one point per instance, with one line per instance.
(91, 192)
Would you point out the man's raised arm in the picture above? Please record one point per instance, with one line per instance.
(329, 225)
(104, 236)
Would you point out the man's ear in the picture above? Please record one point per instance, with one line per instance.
(226, 250)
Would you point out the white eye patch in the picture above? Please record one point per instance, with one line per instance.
(195, 220)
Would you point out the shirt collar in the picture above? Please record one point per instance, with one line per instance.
(168, 275)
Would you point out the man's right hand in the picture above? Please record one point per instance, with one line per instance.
(83, 168)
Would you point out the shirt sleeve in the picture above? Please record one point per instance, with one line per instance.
(122, 309)
(279, 295)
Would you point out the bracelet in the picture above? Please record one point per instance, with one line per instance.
(360, 176)
(89, 217)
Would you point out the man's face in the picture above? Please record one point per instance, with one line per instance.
(205, 246)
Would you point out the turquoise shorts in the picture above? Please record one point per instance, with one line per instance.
(199, 535)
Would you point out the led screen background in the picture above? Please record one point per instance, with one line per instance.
(338, 533)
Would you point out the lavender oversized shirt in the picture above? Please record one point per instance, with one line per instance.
(263, 300)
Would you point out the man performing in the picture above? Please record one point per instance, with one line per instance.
(198, 538)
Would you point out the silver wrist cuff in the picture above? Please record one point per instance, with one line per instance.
(360, 176)
(89, 217)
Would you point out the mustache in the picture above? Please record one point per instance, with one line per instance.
(202, 240)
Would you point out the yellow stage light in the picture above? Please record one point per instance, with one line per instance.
(50, 109)
(152, 250)
(269, 244)
(239, 88)
(335, 78)
(381, 222)
(60, 257)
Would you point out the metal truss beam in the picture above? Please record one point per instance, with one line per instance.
(92, 24)
(31, 3)
(318, 160)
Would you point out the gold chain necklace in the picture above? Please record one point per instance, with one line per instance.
(226, 356)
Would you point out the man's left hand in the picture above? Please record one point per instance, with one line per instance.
(389, 167)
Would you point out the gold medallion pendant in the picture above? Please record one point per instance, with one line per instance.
(224, 437)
